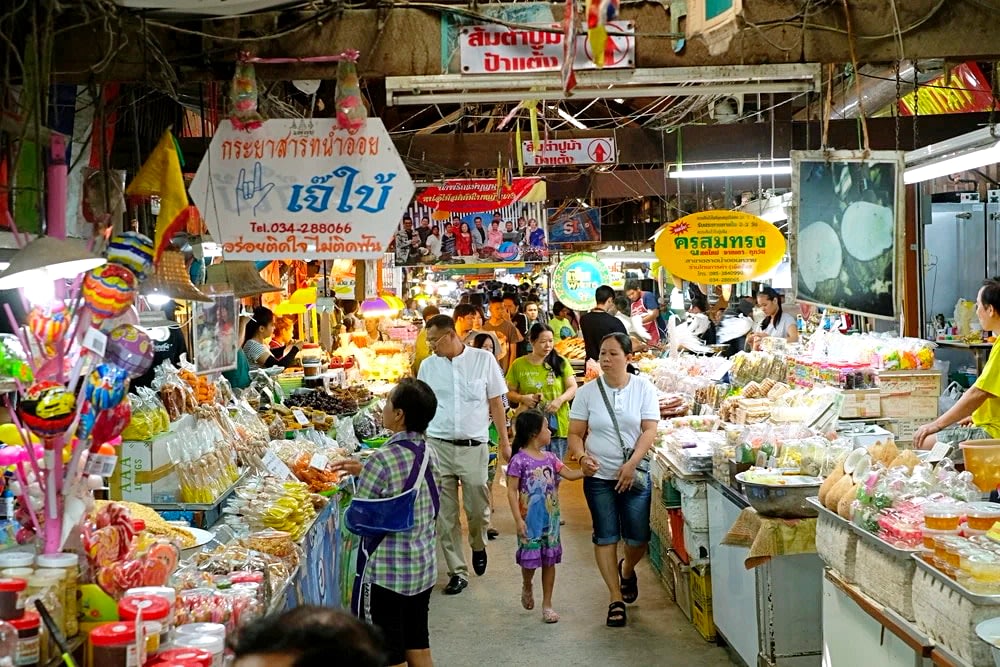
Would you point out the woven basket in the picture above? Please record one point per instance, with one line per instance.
(950, 618)
(242, 276)
(886, 576)
(171, 279)
(837, 545)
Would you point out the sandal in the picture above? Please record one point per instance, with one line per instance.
(527, 597)
(617, 617)
(549, 615)
(629, 587)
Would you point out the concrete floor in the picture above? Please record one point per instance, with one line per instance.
(486, 624)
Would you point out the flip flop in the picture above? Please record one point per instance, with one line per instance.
(549, 615)
(527, 597)
(629, 587)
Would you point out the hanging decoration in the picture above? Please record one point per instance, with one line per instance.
(569, 47)
(351, 110)
(243, 96)
(599, 13)
(160, 176)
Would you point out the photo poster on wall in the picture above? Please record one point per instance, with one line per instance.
(474, 223)
(848, 217)
(215, 334)
(574, 225)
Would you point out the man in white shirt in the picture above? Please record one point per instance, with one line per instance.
(469, 388)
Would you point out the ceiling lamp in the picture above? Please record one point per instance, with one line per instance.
(376, 307)
(289, 308)
(394, 301)
(603, 84)
(48, 259)
(963, 153)
(732, 169)
(304, 295)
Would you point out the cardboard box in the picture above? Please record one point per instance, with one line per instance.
(917, 383)
(146, 470)
(703, 621)
(910, 406)
(861, 404)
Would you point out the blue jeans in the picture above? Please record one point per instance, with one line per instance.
(618, 516)
(558, 447)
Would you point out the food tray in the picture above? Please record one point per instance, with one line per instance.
(949, 613)
(198, 507)
(836, 542)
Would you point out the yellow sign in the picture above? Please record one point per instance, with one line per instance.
(719, 247)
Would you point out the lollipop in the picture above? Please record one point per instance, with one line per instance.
(105, 387)
(48, 325)
(47, 409)
(108, 291)
(111, 422)
(130, 349)
(134, 251)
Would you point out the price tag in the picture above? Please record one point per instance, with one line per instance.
(721, 371)
(300, 417)
(938, 452)
(319, 461)
(276, 466)
(96, 341)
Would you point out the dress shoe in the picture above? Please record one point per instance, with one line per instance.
(479, 562)
(455, 585)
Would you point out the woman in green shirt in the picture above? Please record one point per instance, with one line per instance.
(561, 325)
(544, 380)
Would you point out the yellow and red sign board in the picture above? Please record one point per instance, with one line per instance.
(720, 247)
(963, 89)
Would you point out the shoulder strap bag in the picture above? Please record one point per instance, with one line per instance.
(639, 482)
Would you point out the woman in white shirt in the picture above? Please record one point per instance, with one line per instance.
(777, 323)
(618, 494)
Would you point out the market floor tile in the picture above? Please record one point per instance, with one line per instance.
(485, 624)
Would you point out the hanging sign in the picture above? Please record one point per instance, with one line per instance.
(302, 189)
(577, 277)
(497, 49)
(719, 247)
(558, 152)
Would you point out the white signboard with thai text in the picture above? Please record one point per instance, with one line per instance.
(302, 189)
(497, 49)
(557, 152)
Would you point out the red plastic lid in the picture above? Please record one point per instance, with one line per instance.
(118, 633)
(12, 585)
(30, 621)
(182, 656)
(153, 607)
(138, 525)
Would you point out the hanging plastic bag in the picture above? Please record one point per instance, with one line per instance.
(951, 394)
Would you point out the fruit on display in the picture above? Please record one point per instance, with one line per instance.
(572, 348)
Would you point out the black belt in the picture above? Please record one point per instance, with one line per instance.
(460, 443)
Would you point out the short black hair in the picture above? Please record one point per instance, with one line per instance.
(417, 401)
(622, 339)
(512, 297)
(312, 635)
(991, 293)
(441, 322)
(700, 302)
(430, 311)
(631, 284)
(622, 304)
(496, 298)
(464, 310)
(603, 293)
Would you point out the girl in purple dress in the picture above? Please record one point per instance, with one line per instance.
(534, 502)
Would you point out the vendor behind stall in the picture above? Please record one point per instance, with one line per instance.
(777, 323)
(976, 415)
(259, 329)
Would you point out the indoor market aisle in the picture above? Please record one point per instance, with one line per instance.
(485, 624)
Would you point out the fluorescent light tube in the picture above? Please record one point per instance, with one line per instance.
(953, 165)
(727, 172)
(569, 118)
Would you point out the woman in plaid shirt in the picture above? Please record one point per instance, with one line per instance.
(403, 569)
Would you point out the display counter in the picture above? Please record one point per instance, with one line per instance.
(772, 614)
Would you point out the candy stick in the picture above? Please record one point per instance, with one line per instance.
(20, 336)
(22, 479)
(53, 522)
(73, 467)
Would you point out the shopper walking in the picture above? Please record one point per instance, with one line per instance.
(599, 322)
(485, 340)
(618, 413)
(420, 348)
(543, 380)
(393, 587)
(469, 389)
(534, 502)
(501, 325)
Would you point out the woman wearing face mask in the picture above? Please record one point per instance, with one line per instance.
(776, 324)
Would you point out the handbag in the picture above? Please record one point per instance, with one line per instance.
(376, 517)
(639, 482)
